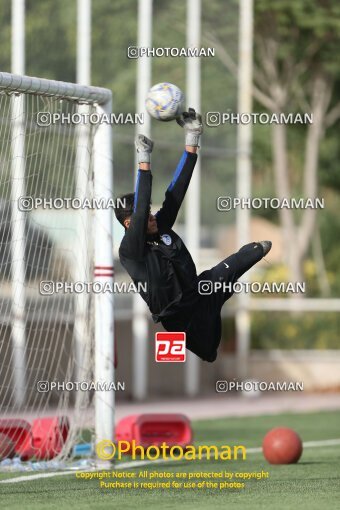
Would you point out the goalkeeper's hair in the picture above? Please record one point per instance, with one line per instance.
(124, 207)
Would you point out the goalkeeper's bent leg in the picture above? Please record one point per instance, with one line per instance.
(229, 270)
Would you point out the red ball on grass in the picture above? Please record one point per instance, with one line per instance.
(282, 446)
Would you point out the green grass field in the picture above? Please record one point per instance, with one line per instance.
(313, 483)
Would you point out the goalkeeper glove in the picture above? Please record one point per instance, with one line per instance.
(192, 124)
(144, 148)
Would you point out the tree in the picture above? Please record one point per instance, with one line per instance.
(295, 69)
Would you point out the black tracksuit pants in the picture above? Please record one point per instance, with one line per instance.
(202, 323)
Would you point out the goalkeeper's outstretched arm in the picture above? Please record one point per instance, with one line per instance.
(174, 195)
(133, 244)
(176, 191)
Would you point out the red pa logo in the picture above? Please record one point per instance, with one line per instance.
(170, 347)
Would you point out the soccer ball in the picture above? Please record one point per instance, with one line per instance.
(282, 446)
(164, 101)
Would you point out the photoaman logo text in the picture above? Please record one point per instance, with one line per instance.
(108, 450)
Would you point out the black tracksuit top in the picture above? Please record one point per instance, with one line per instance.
(162, 260)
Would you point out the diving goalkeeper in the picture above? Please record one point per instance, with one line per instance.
(154, 254)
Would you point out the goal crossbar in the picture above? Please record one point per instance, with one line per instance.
(58, 89)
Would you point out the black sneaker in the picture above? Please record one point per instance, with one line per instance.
(266, 245)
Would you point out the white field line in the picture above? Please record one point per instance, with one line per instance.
(133, 464)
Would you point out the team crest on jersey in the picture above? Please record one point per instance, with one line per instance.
(166, 239)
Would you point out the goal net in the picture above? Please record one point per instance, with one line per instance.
(56, 326)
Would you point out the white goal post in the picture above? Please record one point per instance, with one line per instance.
(37, 330)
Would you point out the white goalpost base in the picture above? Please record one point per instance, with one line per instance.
(62, 337)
